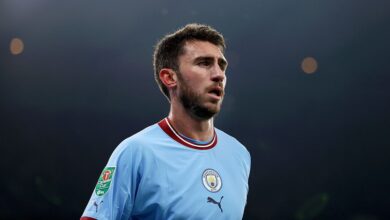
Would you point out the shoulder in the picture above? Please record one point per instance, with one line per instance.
(229, 140)
(224, 137)
(236, 149)
(135, 145)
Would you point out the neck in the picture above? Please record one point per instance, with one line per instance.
(188, 125)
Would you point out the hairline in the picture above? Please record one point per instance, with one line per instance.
(182, 50)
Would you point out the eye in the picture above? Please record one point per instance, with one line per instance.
(223, 66)
(204, 63)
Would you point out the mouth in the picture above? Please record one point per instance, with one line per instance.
(216, 92)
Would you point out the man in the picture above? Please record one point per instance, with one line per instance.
(182, 167)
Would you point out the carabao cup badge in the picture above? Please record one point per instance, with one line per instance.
(104, 181)
(211, 180)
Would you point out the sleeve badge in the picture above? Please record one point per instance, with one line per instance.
(104, 181)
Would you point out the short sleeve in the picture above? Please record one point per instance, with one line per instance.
(113, 195)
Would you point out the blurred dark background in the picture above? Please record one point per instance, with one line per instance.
(307, 94)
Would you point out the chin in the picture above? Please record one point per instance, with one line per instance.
(204, 112)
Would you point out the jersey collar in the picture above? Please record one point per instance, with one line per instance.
(166, 126)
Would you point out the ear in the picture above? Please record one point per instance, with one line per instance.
(168, 77)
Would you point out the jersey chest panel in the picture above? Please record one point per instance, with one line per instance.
(184, 183)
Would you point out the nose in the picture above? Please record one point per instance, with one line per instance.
(218, 75)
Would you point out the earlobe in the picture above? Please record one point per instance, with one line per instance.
(168, 77)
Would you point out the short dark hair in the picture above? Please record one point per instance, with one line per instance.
(170, 47)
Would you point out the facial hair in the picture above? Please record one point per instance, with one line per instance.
(192, 102)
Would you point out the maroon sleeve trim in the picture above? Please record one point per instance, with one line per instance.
(87, 218)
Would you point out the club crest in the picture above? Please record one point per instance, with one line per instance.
(211, 180)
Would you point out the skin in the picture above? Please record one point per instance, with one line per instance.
(193, 104)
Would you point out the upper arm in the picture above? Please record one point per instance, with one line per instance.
(113, 195)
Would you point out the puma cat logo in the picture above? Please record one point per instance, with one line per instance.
(97, 205)
(211, 200)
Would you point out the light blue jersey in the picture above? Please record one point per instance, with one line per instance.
(159, 174)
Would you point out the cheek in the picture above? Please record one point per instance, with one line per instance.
(195, 84)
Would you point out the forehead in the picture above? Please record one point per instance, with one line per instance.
(193, 49)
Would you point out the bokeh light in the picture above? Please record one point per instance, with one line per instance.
(16, 46)
(309, 65)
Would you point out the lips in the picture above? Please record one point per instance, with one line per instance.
(216, 91)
